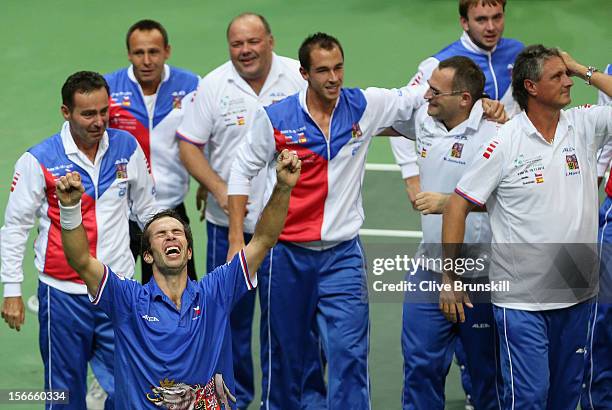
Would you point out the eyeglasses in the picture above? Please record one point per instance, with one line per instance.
(435, 93)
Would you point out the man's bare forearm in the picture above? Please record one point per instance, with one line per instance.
(198, 167)
(453, 226)
(76, 249)
(272, 221)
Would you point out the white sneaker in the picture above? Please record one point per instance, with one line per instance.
(33, 304)
(468, 403)
(96, 396)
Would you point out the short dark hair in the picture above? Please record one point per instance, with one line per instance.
(464, 5)
(468, 75)
(321, 40)
(528, 66)
(249, 14)
(146, 25)
(145, 240)
(82, 82)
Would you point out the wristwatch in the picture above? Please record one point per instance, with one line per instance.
(589, 74)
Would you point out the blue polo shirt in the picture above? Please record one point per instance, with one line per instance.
(161, 352)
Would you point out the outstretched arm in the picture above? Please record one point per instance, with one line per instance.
(273, 216)
(74, 239)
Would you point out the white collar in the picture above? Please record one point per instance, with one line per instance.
(302, 100)
(132, 77)
(528, 128)
(470, 45)
(273, 75)
(70, 146)
(472, 122)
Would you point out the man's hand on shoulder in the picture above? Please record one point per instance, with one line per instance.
(494, 111)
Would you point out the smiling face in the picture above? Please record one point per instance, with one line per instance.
(444, 101)
(169, 248)
(484, 24)
(326, 73)
(250, 47)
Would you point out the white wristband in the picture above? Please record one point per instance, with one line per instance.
(70, 216)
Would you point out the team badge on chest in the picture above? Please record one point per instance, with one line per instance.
(571, 161)
(456, 150)
(121, 170)
(356, 130)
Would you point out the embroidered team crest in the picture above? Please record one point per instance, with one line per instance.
(572, 162)
(301, 137)
(15, 179)
(240, 120)
(424, 152)
(176, 102)
(490, 148)
(456, 150)
(356, 130)
(121, 170)
(126, 101)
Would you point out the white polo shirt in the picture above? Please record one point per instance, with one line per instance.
(443, 157)
(539, 194)
(219, 117)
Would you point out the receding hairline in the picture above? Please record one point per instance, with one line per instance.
(148, 30)
(248, 15)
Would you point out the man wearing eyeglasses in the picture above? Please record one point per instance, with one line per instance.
(483, 25)
(449, 132)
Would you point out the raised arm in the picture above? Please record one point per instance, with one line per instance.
(601, 81)
(74, 239)
(273, 216)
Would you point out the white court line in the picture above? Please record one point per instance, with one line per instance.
(382, 167)
(388, 232)
(391, 233)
